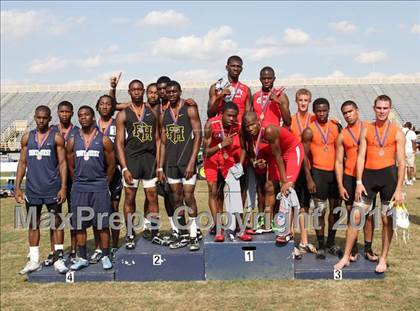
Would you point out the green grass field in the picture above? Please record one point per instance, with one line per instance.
(398, 291)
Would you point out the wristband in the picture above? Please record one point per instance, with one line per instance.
(359, 182)
(123, 170)
(219, 145)
(160, 169)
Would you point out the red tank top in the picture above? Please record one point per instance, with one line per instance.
(239, 94)
(272, 113)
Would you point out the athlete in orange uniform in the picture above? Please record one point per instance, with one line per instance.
(380, 142)
(319, 141)
(346, 155)
(230, 89)
(300, 120)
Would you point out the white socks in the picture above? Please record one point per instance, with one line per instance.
(193, 227)
(171, 221)
(58, 247)
(34, 253)
(147, 224)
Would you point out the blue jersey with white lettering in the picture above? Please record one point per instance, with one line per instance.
(111, 131)
(42, 176)
(89, 165)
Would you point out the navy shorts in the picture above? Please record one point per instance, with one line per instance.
(116, 185)
(50, 203)
(326, 184)
(94, 207)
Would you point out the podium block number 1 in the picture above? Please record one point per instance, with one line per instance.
(249, 256)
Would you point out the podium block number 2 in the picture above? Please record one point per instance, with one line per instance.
(157, 259)
(249, 256)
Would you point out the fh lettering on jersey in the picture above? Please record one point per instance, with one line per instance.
(142, 131)
(90, 153)
(42, 152)
(175, 133)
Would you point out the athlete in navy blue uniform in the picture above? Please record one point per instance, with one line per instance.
(137, 145)
(91, 161)
(106, 125)
(181, 140)
(42, 155)
(67, 129)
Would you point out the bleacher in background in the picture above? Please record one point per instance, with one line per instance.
(17, 104)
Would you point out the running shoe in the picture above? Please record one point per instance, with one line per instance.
(320, 254)
(147, 234)
(130, 242)
(219, 237)
(212, 230)
(112, 253)
(230, 234)
(79, 264)
(72, 256)
(96, 256)
(50, 260)
(181, 242)
(194, 245)
(60, 266)
(244, 237)
(335, 250)
(199, 235)
(106, 263)
(282, 240)
(30, 266)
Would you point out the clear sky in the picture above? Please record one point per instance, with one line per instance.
(71, 42)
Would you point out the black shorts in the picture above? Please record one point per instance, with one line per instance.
(99, 203)
(115, 187)
(349, 182)
(383, 181)
(177, 172)
(50, 203)
(142, 166)
(326, 184)
(301, 189)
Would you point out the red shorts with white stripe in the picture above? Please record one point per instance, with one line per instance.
(292, 162)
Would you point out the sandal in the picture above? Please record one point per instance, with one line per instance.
(371, 256)
(354, 253)
(307, 248)
(296, 254)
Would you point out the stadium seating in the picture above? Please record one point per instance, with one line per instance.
(20, 105)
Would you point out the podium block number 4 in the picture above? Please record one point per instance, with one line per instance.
(249, 256)
(157, 260)
(70, 277)
(338, 274)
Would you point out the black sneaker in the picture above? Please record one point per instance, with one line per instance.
(335, 250)
(212, 230)
(194, 245)
(50, 260)
(161, 240)
(72, 256)
(230, 235)
(147, 234)
(320, 253)
(181, 242)
(199, 235)
(174, 236)
(130, 242)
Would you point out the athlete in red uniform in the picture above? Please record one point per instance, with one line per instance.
(319, 141)
(230, 89)
(277, 149)
(345, 170)
(221, 151)
(270, 104)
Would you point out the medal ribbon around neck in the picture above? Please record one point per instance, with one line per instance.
(264, 105)
(140, 116)
(324, 137)
(257, 144)
(356, 141)
(173, 116)
(306, 122)
(108, 125)
(65, 133)
(381, 142)
(44, 137)
(91, 137)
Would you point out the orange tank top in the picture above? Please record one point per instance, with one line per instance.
(300, 123)
(323, 145)
(351, 140)
(381, 145)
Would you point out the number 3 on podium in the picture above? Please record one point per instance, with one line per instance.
(338, 274)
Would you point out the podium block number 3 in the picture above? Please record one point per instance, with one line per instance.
(249, 256)
(338, 274)
(157, 260)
